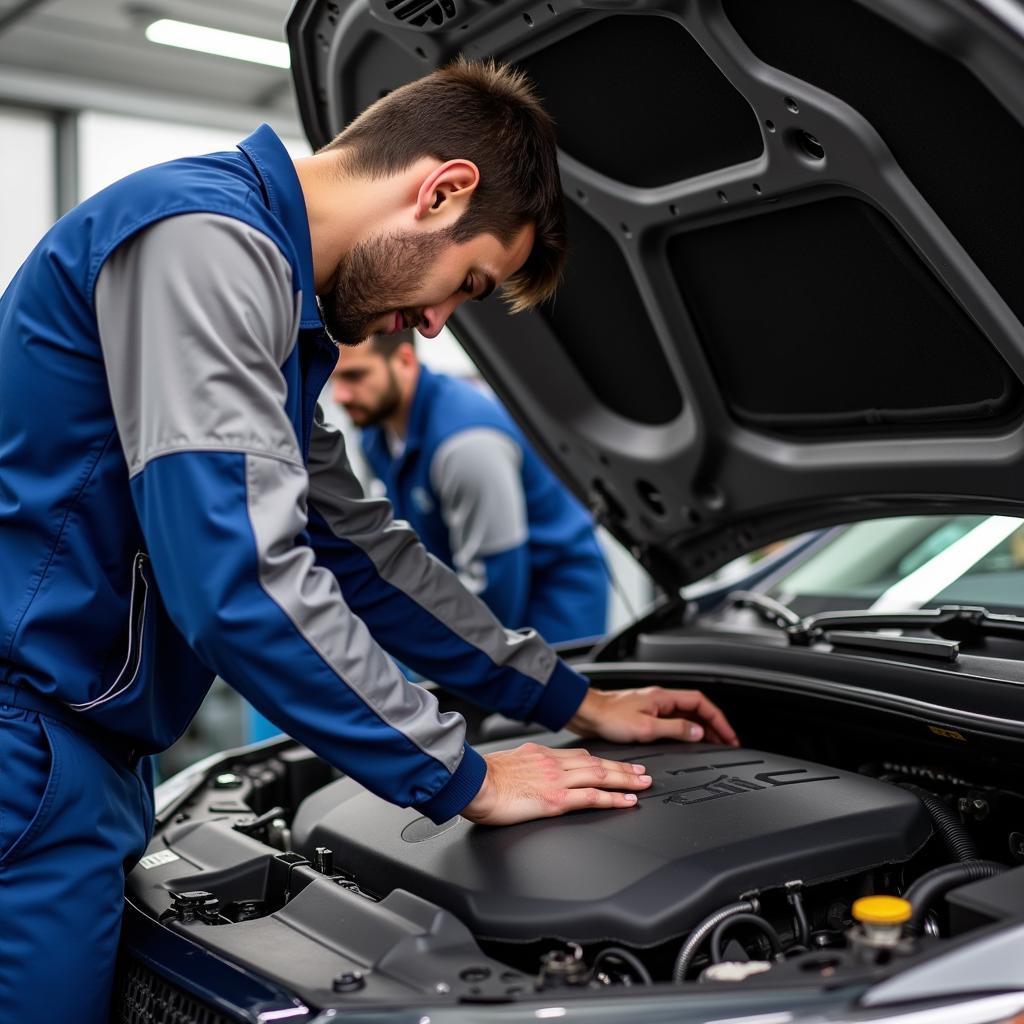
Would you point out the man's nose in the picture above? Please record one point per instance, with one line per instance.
(435, 317)
(340, 393)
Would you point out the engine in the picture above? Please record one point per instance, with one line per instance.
(716, 824)
(735, 865)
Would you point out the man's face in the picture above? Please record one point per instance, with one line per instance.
(414, 279)
(365, 385)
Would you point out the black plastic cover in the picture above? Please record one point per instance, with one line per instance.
(716, 823)
(987, 900)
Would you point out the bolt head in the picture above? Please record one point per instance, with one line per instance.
(1017, 845)
(349, 981)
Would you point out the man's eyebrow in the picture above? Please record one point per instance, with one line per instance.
(489, 287)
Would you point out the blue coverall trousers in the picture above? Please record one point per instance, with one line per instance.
(73, 822)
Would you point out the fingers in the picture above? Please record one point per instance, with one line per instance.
(621, 777)
(678, 729)
(697, 705)
(533, 781)
(576, 757)
(588, 800)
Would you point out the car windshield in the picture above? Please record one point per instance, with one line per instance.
(910, 562)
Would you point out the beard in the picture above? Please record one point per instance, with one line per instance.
(386, 406)
(376, 277)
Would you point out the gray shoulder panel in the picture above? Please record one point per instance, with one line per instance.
(476, 476)
(402, 561)
(196, 314)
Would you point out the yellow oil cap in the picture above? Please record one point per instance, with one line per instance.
(881, 910)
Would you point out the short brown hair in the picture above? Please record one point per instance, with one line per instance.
(488, 113)
(387, 345)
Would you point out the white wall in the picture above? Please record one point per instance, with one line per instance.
(113, 145)
(27, 185)
(109, 147)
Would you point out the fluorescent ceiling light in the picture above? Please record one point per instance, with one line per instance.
(218, 42)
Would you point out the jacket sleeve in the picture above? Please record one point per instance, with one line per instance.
(476, 475)
(196, 316)
(418, 609)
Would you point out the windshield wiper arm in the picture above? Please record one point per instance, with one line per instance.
(952, 622)
(918, 646)
(768, 609)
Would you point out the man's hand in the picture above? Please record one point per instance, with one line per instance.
(653, 713)
(540, 782)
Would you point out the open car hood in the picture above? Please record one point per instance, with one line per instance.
(796, 285)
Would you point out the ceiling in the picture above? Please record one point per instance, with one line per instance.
(102, 43)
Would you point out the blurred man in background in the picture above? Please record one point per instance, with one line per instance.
(462, 474)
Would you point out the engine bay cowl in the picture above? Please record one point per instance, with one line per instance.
(716, 823)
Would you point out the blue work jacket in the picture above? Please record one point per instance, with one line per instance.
(484, 502)
(172, 506)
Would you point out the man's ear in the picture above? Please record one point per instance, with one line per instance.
(445, 191)
(406, 354)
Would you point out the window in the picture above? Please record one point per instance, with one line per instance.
(912, 562)
(27, 185)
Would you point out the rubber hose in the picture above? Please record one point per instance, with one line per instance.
(755, 919)
(958, 843)
(923, 893)
(618, 953)
(701, 932)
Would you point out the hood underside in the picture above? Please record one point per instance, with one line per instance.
(795, 289)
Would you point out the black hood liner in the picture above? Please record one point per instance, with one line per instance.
(598, 309)
(841, 326)
(796, 282)
(593, 79)
(961, 148)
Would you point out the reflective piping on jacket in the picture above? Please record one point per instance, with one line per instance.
(112, 691)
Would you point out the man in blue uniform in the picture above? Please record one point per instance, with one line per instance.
(462, 474)
(190, 514)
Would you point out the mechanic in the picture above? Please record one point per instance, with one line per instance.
(462, 474)
(190, 513)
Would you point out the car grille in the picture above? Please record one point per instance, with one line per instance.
(142, 996)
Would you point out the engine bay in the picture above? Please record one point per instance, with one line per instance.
(715, 823)
(737, 865)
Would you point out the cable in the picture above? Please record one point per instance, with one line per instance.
(957, 841)
(701, 932)
(755, 919)
(929, 887)
(627, 958)
(803, 928)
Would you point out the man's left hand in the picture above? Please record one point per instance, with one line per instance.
(653, 713)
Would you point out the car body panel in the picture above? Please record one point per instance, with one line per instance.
(752, 339)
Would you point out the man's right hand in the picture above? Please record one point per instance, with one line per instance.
(540, 782)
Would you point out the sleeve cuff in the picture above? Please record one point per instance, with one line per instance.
(562, 695)
(458, 791)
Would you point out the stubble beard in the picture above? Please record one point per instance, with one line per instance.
(385, 408)
(376, 277)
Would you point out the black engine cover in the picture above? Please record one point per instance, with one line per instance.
(716, 823)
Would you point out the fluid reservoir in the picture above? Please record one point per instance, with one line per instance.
(881, 919)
